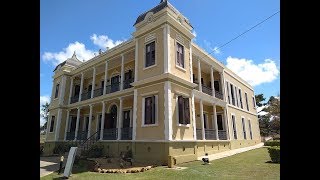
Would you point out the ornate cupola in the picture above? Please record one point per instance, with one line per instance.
(68, 64)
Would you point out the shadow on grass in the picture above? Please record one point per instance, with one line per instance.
(270, 162)
(82, 166)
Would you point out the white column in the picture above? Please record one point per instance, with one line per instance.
(222, 86)
(190, 62)
(119, 119)
(134, 116)
(226, 122)
(212, 83)
(202, 120)
(105, 78)
(77, 124)
(167, 111)
(93, 81)
(166, 47)
(136, 62)
(70, 92)
(90, 119)
(193, 117)
(57, 132)
(122, 72)
(66, 127)
(81, 86)
(102, 119)
(199, 76)
(62, 89)
(215, 120)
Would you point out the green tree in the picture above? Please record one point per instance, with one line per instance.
(44, 114)
(260, 99)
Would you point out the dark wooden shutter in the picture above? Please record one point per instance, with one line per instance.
(153, 109)
(147, 110)
(180, 109)
(186, 111)
(153, 54)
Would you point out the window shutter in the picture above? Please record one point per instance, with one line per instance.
(180, 109)
(153, 109)
(186, 111)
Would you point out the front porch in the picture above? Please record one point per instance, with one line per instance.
(210, 121)
(110, 120)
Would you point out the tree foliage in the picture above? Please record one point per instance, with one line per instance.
(44, 114)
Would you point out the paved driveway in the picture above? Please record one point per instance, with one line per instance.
(50, 164)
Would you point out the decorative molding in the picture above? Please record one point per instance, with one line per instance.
(136, 60)
(150, 37)
(180, 39)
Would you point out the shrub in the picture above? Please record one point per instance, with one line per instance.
(272, 143)
(94, 152)
(274, 153)
(59, 149)
(41, 149)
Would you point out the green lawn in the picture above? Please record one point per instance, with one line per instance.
(248, 165)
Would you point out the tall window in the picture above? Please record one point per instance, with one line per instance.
(240, 97)
(150, 54)
(183, 110)
(205, 121)
(232, 94)
(180, 55)
(236, 96)
(244, 128)
(249, 122)
(234, 127)
(52, 123)
(246, 96)
(216, 86)
(253, 102)
(150, 110)
(228, 93)
(57, 91)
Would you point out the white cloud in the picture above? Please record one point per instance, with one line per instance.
(83, 54)
(41, 74)
(209, 46)
(195, 35)
(254, 74)
(104, 41)
(216, 50)
(44, 99)
(58, 57)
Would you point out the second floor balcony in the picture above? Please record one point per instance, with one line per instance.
(208, 90)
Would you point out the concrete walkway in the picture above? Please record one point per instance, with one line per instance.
(231, 152)
(50, 164)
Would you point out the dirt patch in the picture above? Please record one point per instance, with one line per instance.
(115, 165)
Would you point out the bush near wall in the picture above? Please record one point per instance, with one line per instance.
(274, 153)
(272, 143)
(94, 152)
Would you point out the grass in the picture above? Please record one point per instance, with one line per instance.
(252, 164)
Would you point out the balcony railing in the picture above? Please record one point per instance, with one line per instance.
(207, 90)
(199, 134)
(126, 133)
(219, 95)
(86, 95)
(210, 134)
(74, 99)
(70, 135)
(126, 83)
(98, 92)
(110, 134)
(222, 134)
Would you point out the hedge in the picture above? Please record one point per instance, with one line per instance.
(272, 143)
(274, 153)
(95, 151)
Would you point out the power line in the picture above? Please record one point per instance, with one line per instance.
(242, 33)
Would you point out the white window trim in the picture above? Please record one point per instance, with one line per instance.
(244, 127)
(156, 111)
(235, 125)
(250, 128)
(177, 111)
(55, 87)
(240, 98)
(254, 102)
(176, 41)
(144, 53)
(55, 118)
(247, 102)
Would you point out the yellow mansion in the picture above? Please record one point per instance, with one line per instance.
(157, 94)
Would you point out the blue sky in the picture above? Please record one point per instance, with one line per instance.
(87, 26)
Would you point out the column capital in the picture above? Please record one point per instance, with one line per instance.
(120, 98)
(79, 108)
(122, 55)
(82, 73)
(68, 110)
(94, 68)
(103, 102)
(91, 105)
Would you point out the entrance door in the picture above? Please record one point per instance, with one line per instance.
(126, 119)
(219, 121)
(205, 121)
(115, 83)
(111, 118)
